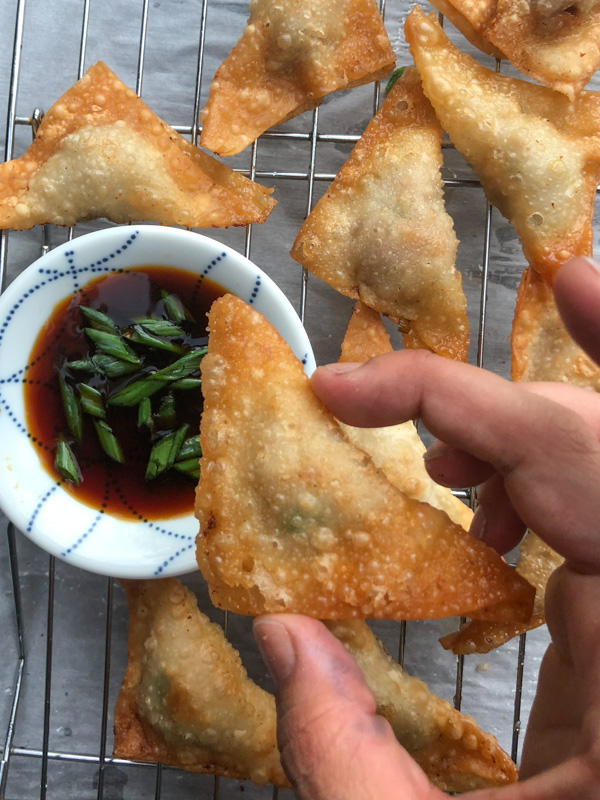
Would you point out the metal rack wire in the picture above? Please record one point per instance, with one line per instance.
(17, 753)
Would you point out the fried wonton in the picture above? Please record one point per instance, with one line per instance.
(290, 55)
(381, 233)
(542, 348)
(449, 746)
(101, 152)
(397, 449)
(186, 699)
(556, 42)
(537, 155)
(294, 518)
(537, 561)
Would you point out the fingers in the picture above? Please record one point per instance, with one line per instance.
(496, 522)
(577, 293)
(332, 743)
(547, 455)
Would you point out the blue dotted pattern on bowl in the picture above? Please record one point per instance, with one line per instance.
(105, 264)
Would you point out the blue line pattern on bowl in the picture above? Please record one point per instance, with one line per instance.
(182, 542)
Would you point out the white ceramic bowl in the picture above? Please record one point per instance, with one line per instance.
(29, 496)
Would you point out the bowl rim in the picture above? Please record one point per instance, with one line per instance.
(23, 284)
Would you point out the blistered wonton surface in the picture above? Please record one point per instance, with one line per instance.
(542, 348)
(537, 562)
(101, 152)
(381, 233)
(536, 155)
(290, 55)
(395, 449)
(556, 42)
(186, 699)
(449, 746)
(295, 518)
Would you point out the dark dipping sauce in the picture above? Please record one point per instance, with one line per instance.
(118, 489)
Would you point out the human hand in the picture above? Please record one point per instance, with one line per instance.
(534, 449)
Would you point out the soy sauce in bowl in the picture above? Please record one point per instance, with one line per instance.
(60, 354)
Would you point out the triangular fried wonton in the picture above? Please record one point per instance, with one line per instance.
(186, 699)
(381, 233)
(295, 518)
(290, 55)
(537, 562)
(396, 449)
(101, 152)
(536, 154)
(556, 42)
(449, 746)
(542, 348)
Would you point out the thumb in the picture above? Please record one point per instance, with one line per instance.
(332, 743)
(577, 291)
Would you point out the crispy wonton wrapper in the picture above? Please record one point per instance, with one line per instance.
(186, 699)
(381, 233)
(396, 449)
(556, 42)
(536, 154)
(449, 746)
(537, 562)
(542, 348)
(101, 152)
(295, 518)
(289, 57)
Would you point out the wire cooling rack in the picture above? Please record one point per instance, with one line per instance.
(63, 631)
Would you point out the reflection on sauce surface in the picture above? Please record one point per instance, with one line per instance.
(118, 489)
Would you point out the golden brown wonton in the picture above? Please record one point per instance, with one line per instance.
(397, 449)
(556, 42)
(449, 746)
(542, 349)
(186, 699)
(536, 154)
(101, 152)
(290, 55)
(381, 233)
(537, 561)
(295, 518)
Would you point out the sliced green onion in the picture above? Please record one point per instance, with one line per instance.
(144, 419)
(187, 383)
(83, 365)
(113, 367)
(181, 368)
(162, 455)
(190, 449)
(98, 320)
(191, 467)
(66, 464)
(140, 336)
(108, 441)
(135, 392)
(160, 327)
(71, 408)
(166, 416)
(113, 345)
(175, 308)
(91, 401)
(396, 74)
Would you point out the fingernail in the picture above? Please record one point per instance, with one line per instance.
(339, 368)
(275, 647)
(588, 260)
(436, 450)
(591, 262)
(478, 524)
